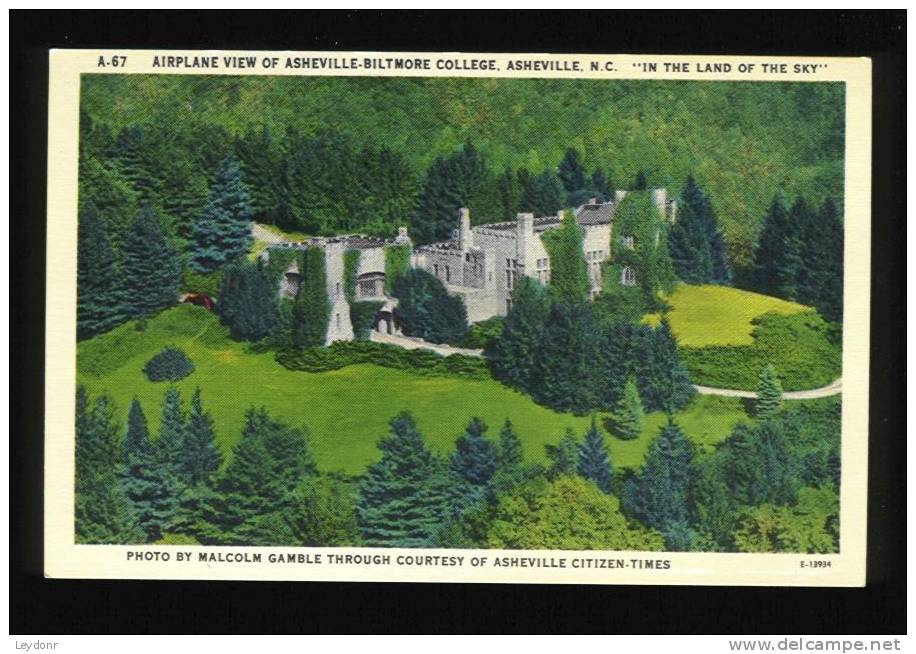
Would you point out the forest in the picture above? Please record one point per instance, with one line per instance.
(167, 197)
(361, 154)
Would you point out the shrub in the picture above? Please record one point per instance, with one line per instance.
(171, 364)
(347, 353)
(425, 309)
(798, 345)
(483, 333)
(201, 283)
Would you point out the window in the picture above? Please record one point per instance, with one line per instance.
(338, 289)
(628, 277)
(448, 274)
(436, 269)
(338, 320)
(508, 305)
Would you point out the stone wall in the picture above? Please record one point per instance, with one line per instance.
(339, 326)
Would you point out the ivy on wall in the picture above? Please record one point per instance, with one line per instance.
(351, 266)
(397, 263)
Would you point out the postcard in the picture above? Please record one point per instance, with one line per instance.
(458, 317)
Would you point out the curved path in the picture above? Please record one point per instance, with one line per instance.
(834, 388)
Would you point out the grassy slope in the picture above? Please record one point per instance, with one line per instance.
(346, 411)
(719, 315)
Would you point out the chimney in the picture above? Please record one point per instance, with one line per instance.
(593, 200)
(619, 196)
(659, 197)
(465, 235)
(524, 233)
(402, 236)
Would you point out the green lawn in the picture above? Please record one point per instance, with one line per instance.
(346, 411)
(718, 315)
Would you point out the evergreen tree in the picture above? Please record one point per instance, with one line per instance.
(510, 194)
(99, 296)
(663, 381)
(389, 191)
(474, 462)
(564, 360)
(769, 393)
(222, 232)
(508, 448)
(135, 154)
(627, 417)
(821, 284)
(564, 456)
(262, 172)
(102, 511)
(513, 355)
(426, 310)
(568, 275)
(101, 185)
(570, 171)
(594, 461)
(311, 309)
(451, 183)
(695, 240)
(201, 457)
(150, 268)
(777, 259)
(542, 194)
(256, 489)
(170, 453)
(322, 513)
(659, 495)
(405, 498)
(641, 183)
(616, 359)
(247, 301)
(601, 185)
(148, 485)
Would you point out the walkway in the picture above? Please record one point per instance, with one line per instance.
(834, 388)
(411, 343)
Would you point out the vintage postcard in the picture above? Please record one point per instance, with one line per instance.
(376, 316)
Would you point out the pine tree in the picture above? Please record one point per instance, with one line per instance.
(776, 252)
(513, 354)
(150, 268)
(659, 495)
(568, 275)
(564, 456)
(627, 416)
(616, 359)
(261, 172)
(564, 361)
(602, 185)
(474, 462)
(256, 489)
(222, 232)
(662, 380)
(135, 154)
(695, 240)
(201, 458)
(508, 448)
(170, 458)
(102, 511)
(641, 183)
(594, 461)
(405, 498)
(147, 485)
(311, 308)
(451, 183)
(99, 293)
(542, 194)
(426, 309)
(247, 301)
(510, 195)
(570, 171)
(822, 286)
(769, 393)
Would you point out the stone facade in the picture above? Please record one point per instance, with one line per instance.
(481, 263)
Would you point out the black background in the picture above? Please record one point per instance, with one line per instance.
(40, 606)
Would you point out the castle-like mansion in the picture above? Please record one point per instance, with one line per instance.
(481, 263)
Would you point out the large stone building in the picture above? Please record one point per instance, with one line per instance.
(480, 263)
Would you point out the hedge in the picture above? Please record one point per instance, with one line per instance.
(347, 353)
(800, 346)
